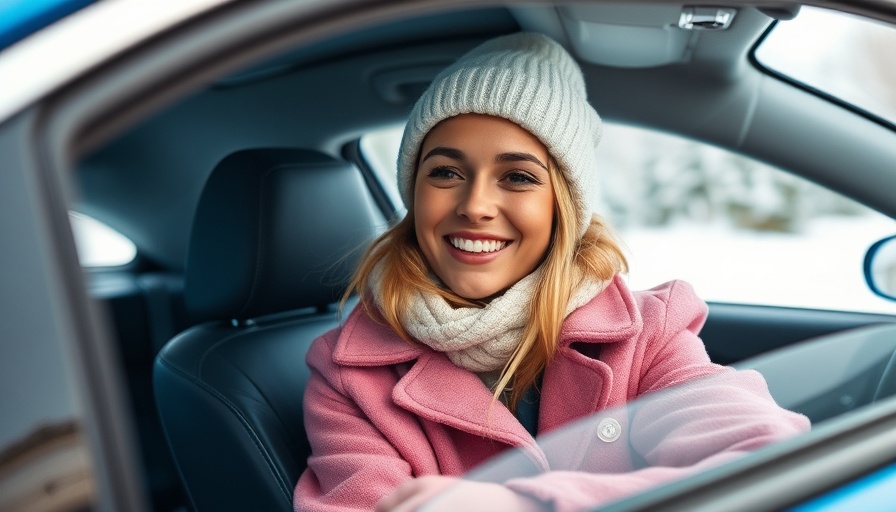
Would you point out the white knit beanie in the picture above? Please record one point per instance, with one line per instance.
(529, 79)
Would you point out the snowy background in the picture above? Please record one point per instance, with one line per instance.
(737, 230)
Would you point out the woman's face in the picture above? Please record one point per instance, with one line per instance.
(483, 204)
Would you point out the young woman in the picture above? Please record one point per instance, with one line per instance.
(494, 312)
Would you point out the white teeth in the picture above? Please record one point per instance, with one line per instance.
(477, 245)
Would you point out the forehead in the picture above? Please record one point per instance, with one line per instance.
(483, 132)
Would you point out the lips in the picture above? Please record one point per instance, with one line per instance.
(479, 245)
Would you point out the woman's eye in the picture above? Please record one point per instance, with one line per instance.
(444, 173)
(521, 178)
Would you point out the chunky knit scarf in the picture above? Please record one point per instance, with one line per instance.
(479, 339)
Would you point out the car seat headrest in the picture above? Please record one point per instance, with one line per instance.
(276, 230)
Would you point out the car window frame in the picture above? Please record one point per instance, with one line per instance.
(84, 114)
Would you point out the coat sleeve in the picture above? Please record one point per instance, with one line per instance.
(691, 415)
(353, 465)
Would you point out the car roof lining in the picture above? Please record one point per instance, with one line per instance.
(119, 183)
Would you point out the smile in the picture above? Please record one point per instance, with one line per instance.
(476, 246)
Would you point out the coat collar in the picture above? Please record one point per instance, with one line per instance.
(436, 389)
(366, 340)
(611, 316)
(433, 387)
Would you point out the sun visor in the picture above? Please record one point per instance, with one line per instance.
(631, 36)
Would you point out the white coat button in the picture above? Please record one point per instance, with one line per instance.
(608, 430)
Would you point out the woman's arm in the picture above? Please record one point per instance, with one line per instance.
(691, 415)
(703, 408)
(676, 432)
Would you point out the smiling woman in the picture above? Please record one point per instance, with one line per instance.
(483, 215)
(499, 266)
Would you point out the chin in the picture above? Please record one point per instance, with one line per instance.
(480, 293)
(477, 296)
(473, 292)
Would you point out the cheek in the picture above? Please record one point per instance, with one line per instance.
(421, 206)
(428, 212)
(535, 218)
(422, 210)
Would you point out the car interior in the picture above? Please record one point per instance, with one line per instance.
(250, 200)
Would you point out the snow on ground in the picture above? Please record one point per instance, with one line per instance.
(819, 268)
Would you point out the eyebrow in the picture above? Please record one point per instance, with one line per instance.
(454, 154)
(520, 157)
(457, 154)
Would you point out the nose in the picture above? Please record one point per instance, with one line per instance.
(478, 201)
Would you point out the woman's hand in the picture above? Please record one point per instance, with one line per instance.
(462, 495)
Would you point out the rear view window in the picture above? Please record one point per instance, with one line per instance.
(380, 149)
(98, 244)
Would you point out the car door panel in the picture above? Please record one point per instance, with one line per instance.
(734, 332)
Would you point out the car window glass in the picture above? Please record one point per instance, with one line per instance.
(738, 230)
(98, 244)
(840, 55)
(380, 149)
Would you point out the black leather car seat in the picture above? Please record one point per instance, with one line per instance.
(276, 236)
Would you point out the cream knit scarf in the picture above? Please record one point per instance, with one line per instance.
(479, 339)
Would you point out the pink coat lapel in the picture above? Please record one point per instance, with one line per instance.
(433, 388)
(575, 383)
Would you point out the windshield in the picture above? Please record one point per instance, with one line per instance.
(846, 57)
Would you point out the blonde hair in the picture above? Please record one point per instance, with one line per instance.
(404, 270)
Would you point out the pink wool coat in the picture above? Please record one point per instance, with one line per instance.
(379, 411)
